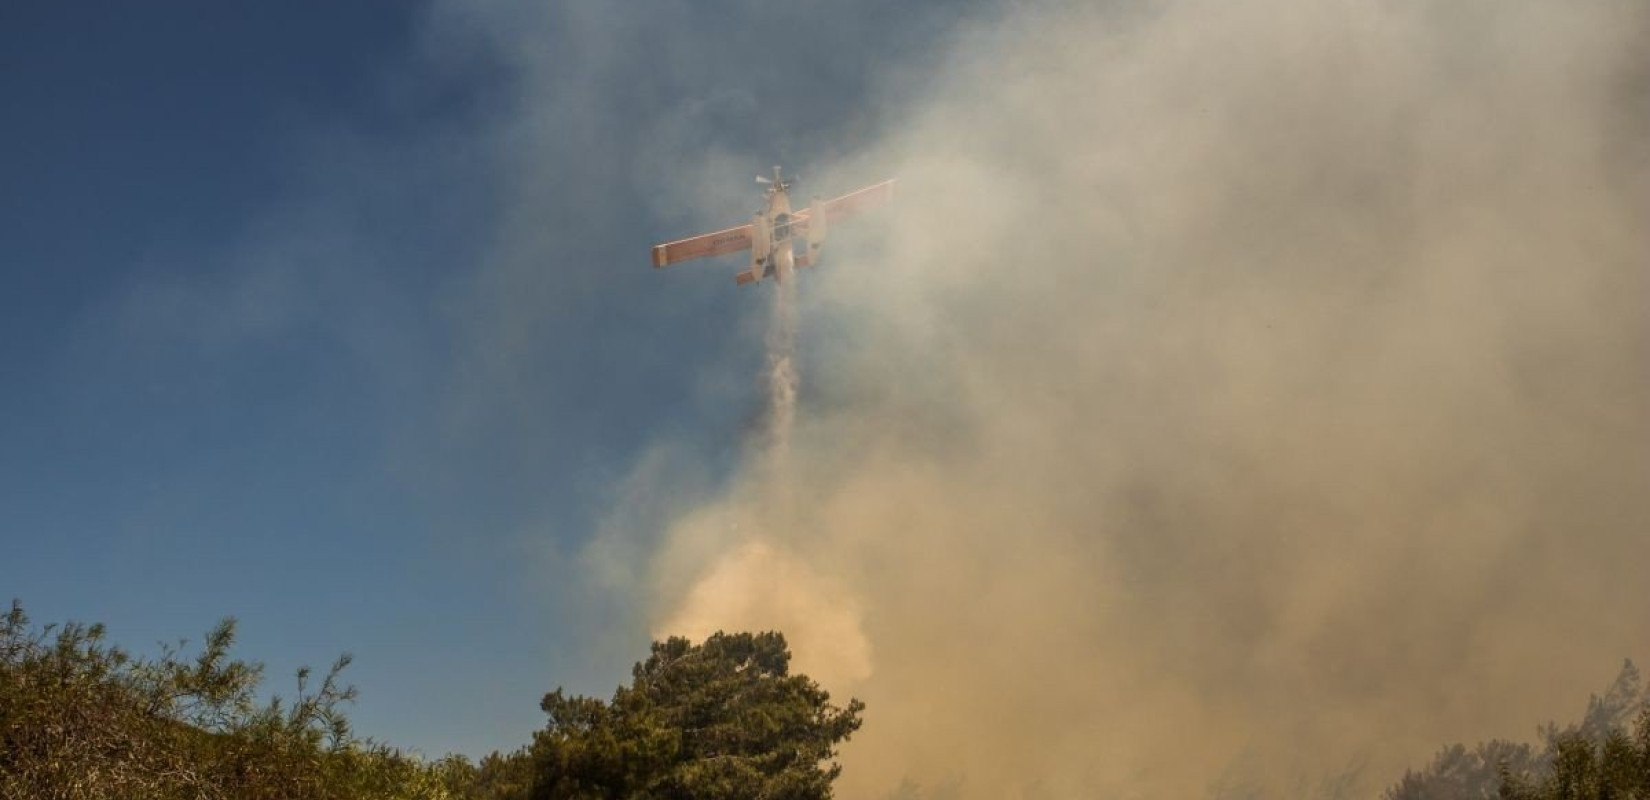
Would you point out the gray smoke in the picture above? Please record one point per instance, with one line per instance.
(1242, 397)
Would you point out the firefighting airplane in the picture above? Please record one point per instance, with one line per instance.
(769, 234)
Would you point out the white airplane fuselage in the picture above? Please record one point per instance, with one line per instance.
(771, 234)
(781, 257)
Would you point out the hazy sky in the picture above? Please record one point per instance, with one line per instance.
(338, 318)
(1241, 392)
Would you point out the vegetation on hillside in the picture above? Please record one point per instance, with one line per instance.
(83, 720)
(721, 719)
(80, 718)
(1595, 759)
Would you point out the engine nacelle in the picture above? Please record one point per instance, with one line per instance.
(761, 244)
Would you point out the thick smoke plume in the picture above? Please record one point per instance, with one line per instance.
(1243, 398)
(754, 582)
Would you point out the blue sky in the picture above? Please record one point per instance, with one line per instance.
(337, 317)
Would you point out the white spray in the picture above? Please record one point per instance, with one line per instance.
(782, 382)
(760, 578)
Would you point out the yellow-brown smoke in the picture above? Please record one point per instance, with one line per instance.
(1241, 395)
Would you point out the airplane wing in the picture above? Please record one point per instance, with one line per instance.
(733, 240)
(704, 245)
(850, 203)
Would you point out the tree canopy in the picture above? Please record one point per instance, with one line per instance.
(1595, 759)
(1614, 767)
(722, 719)
(84, 720)
(81, 719)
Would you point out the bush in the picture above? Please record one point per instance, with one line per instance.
(82, 720)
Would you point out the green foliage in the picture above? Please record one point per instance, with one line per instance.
(1462, 773)
(497, 777)
(82, 720)
(1616, 768)
(724, 719)
(1592, 760)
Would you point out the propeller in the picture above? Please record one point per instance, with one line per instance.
(784, 183)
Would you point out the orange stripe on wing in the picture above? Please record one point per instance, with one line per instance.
(722, 242)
